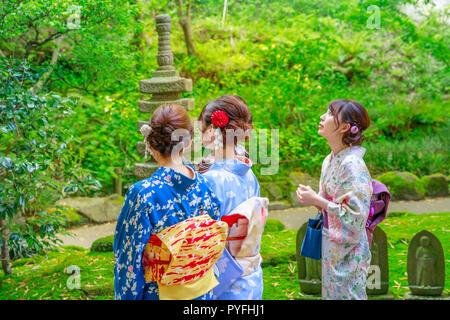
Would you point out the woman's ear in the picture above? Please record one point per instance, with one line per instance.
(344, 127)
(154, 153)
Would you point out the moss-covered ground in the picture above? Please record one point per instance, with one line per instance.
(46, 276)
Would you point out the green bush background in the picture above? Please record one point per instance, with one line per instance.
(286, 58)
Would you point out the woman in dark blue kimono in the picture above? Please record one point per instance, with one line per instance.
(173, 194)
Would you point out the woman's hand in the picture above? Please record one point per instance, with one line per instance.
(308, 197)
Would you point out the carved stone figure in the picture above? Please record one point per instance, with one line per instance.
(426, 266)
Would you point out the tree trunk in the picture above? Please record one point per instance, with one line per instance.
(6, 263)
(185, 23)
(40, 84)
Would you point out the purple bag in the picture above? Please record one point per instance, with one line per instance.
(378, 207)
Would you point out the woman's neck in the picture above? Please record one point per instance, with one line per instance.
(176, 164)
(337, 146)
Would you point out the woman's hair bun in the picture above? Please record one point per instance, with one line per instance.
(171, 125)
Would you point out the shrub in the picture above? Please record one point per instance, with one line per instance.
(273, 225)
(403, 185)
(435, 185)
(104, 244)
(36, 159)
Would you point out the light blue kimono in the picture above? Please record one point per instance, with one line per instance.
(233, 182)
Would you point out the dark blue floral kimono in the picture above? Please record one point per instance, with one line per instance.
(151, 205)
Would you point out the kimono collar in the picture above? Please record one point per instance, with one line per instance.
(176, 179)
(356, 150)
(239, 166)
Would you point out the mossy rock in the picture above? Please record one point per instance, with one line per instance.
(104, 244)
(435, 185)
(272, 190)
(297, 177)
(273, 225)
(71, 214)
(403, 185)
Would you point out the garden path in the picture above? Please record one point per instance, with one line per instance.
(292, 218)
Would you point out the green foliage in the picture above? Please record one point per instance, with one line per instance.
(70, 215)
(37, 234)
(98, 39)
(287, 59)
(35, 158)
(104, 244)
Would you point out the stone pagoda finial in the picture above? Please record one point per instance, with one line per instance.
(165, 86)
(165, 56)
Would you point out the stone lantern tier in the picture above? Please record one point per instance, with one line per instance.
(165, 86)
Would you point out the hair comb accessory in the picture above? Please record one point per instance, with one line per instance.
(145, 131)
(354, 129)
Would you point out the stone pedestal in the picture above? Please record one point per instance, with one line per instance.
(309, 270)
(410, 296)
(377, 285)
(387, 296)
(165, 86)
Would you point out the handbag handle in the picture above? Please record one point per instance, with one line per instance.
(319, 213)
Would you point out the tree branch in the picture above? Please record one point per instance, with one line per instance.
(45, 76)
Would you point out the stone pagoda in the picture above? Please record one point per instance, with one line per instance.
(165, 86)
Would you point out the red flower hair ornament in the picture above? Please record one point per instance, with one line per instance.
(219, 119)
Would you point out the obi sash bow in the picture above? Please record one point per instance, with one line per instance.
(180, 258)
(246, 225)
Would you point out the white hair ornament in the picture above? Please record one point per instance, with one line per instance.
(145, 131)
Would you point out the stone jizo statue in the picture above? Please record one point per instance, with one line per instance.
(426, 266)
(425, 263)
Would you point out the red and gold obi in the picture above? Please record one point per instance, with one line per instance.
(180, 258)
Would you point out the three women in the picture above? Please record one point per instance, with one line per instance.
(229, 191)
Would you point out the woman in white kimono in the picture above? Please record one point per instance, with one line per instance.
(344, 198)
(229, 173)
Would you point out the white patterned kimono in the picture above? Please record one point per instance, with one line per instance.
(233, 182)
(346, 182)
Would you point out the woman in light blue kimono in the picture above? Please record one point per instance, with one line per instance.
(344, 196)
(173, 194)
(229, 173)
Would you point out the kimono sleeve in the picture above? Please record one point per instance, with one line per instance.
(347, 214)
(322, 177)
(131, 236)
